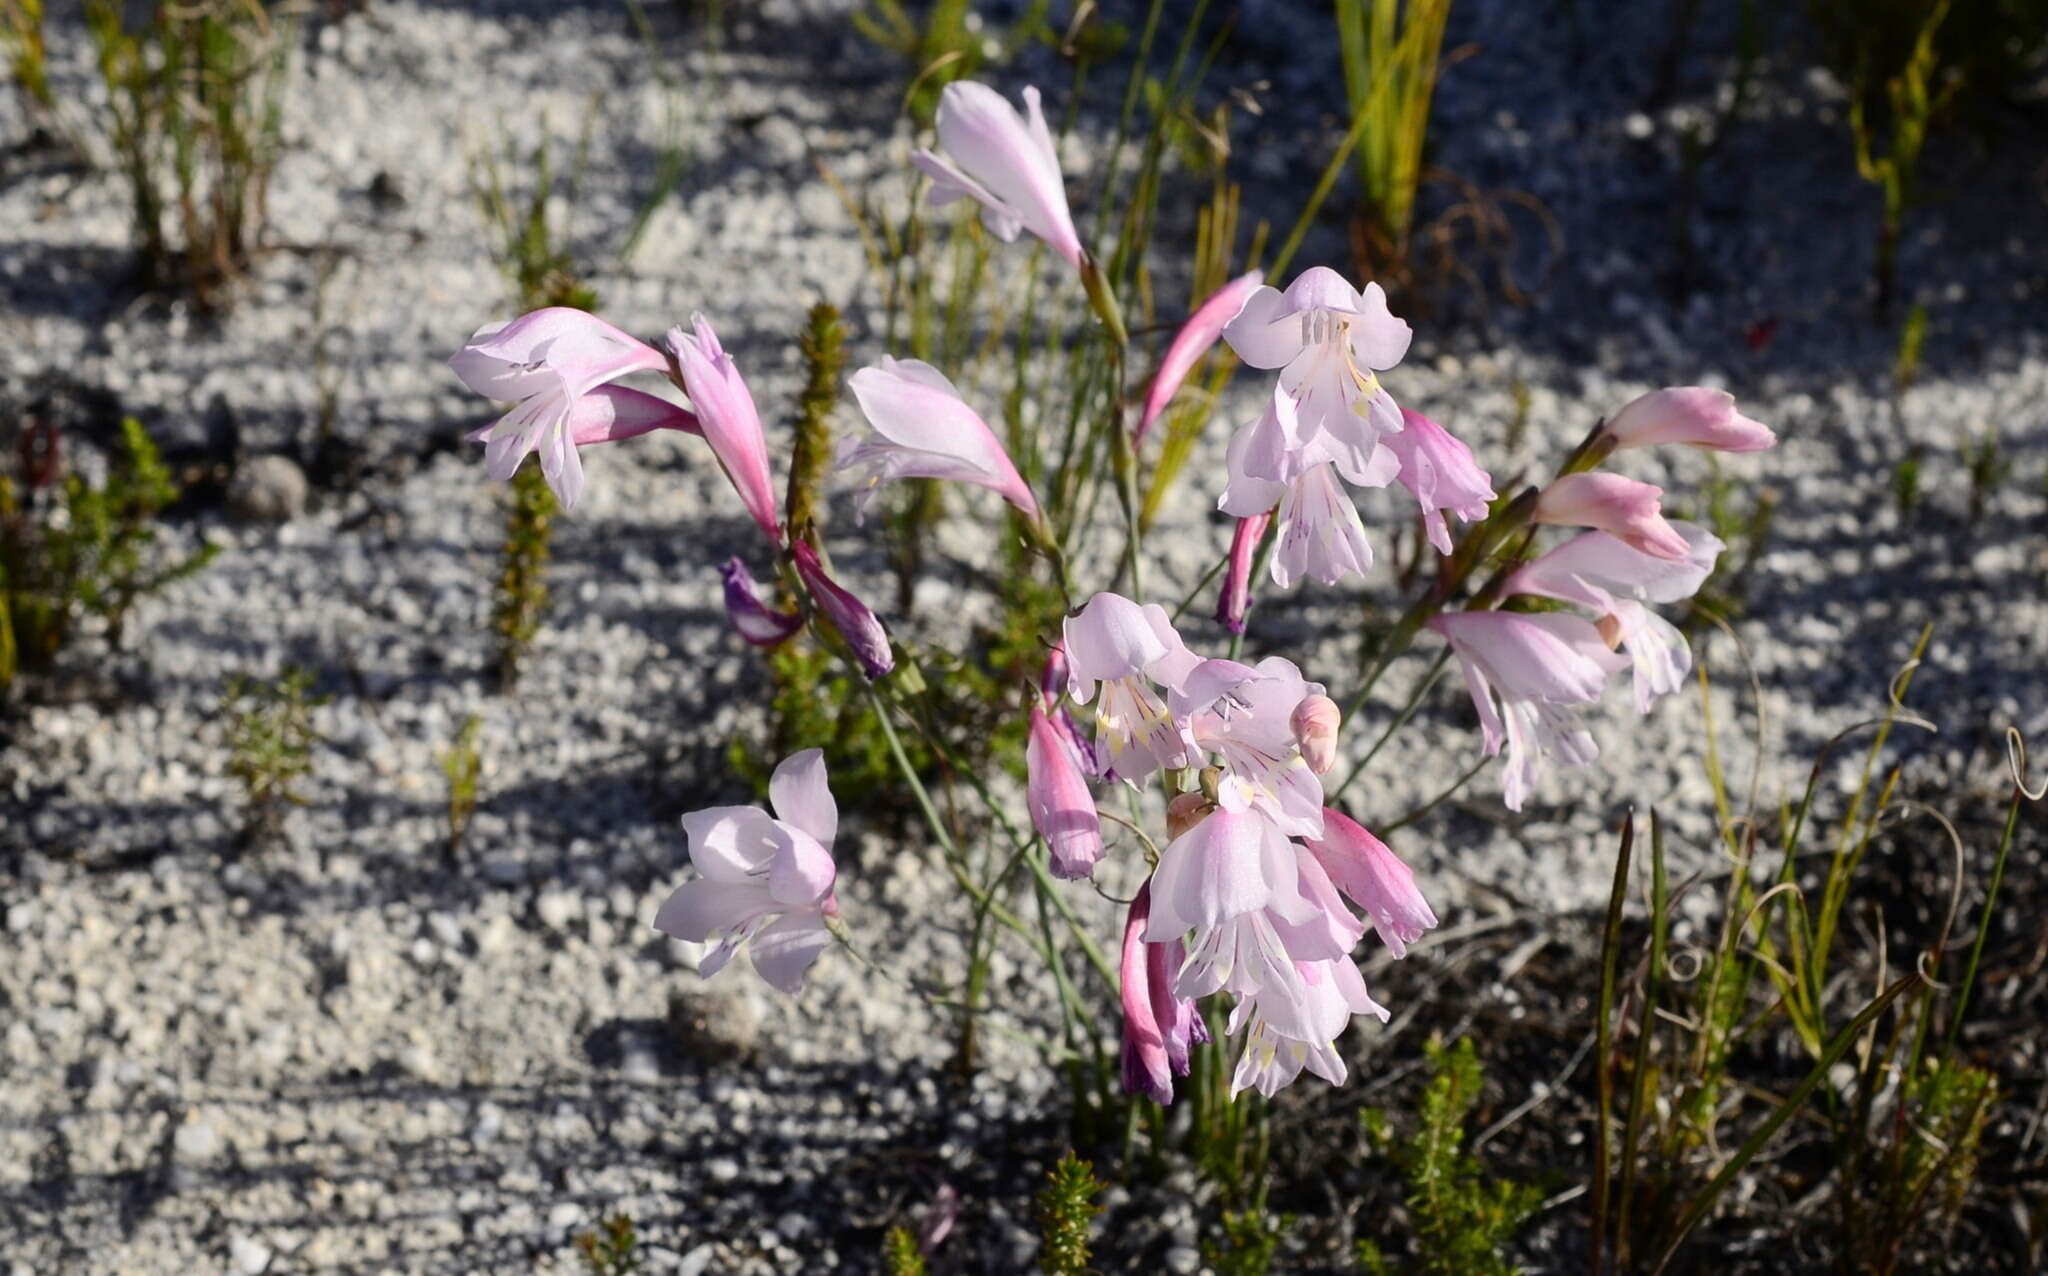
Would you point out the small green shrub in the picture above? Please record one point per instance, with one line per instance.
(271, 738)
(900, 1254)
(1988, 466)
(613, 1249)
(194, 114)
(1390, 50)
(1250, 1242)
(522, 599)
(1066, 1210)
(1462, 1215)
(1919, 90)
(462, 763)
(86, 555)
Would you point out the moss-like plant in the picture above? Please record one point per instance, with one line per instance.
(1066, 1212)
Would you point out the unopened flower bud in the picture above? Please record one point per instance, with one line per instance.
(855, 623)
(1315, 722)
(1184, 812)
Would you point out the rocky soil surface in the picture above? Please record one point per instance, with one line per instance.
(357, 1051)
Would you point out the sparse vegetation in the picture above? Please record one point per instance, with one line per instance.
(462, 764)
(270, 739)
(73, 552)
(193, 117)
(1462, 1217)
(1066, 1214)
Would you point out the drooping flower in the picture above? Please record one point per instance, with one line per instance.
(1333, 991)
(1320, 532)
(544, 363)
(1056, 791)
(1126, 648)
(1159, 1027)
(1192, 342)
(1329, 340)
(1375, 879)
(1622, 507)
(1052, 693)
(1245, 713)
(1439, 469)
(924, 429)
(1694, 415)
(1003, 161)
(1615, 581)
(1236, 598)
(848, 614)
(726, 413)
(1541, 667)
(751, 616)
(763, 882)
(1315, 721)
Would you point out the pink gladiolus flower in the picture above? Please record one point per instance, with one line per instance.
(1328, 340)
(924, 429)
(1693, 415)
(1062, 810)
(1375, 879)
(1192, 342)
(1332, 991)
(1541, 667)
(1614, 581)
(1622, 507)
(1320, 532)
(1315, 722)
(1003, 161)
(1236, 598)
(1440, 471)
(544, 363)
(1246, 714)
(1126, 648)
(726, 413)
(1159, 1027)
(851, 617)
(763, 882)
(751, 616)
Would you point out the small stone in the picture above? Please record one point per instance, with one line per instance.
(714, 1026)
(196, 1141)
(267, 489)
(556, 909)
(249, 1255)
(1183, 1261)
(722, 1169)
(696, 1262)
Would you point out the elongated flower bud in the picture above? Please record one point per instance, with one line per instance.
(726, 416)
(1236, 598)
(1693, 415)
(1375, 879)
(1062, 809)
(851, 617)
(1315, 721)
(1159, 1027)
(1622, 507)
(751, 616)
(1200, 332)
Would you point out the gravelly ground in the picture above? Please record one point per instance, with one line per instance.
(351, 1053)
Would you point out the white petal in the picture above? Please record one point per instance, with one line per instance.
(784, 949)
(801, 795)
(732, 843)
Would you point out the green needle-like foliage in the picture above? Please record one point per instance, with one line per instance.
(522, 575)
(92, 563)
(900, 1254)
(1066, 1208)
(271, 738)
(462, 763)
(21, 43)
(611, 1250)
(1463, 1216)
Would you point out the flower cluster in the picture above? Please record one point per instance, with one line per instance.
(1262, 889)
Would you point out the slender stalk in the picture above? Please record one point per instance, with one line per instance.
(1610, 955)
